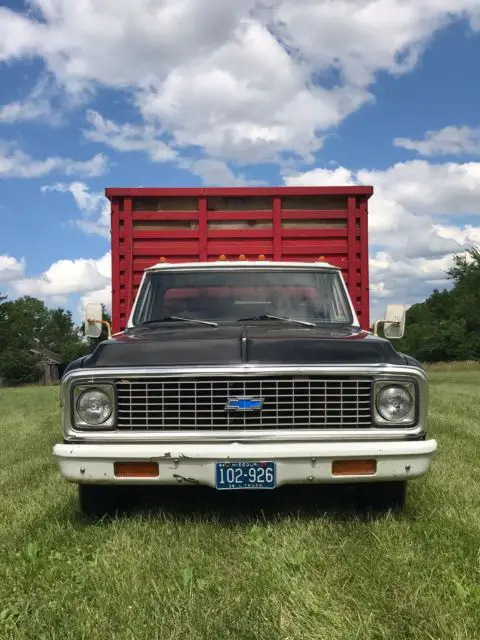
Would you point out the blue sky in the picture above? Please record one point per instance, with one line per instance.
(194, 92)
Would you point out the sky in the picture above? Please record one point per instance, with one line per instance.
(114, 93)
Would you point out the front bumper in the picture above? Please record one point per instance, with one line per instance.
(296, 463)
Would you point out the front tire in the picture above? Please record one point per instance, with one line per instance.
(97, 501)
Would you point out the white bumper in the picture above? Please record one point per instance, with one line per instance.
(296, 463)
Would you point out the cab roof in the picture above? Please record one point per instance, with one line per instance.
(244, 264)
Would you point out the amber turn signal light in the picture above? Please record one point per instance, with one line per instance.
(136, 469)
(354, 467)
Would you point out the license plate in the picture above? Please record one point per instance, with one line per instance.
(245, 475)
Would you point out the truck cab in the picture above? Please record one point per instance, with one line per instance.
(245, 374)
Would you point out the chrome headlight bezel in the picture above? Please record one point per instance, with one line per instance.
(411, 418)
(78, 390)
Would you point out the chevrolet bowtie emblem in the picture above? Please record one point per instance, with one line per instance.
(244, 403)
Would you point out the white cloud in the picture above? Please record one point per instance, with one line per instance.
(128, 137)
(243, 100)
(94, 207)
(66, 277)
(117, 43)
(321, 177)
(217, 173)
(407, 199)
(85, 200)
(243, 80)
(413, 249)
(15, 163)
(362, 37)
(446, 141)
(102, 296)
(19, 110)
(11, 269)
(36, 106)
(98, 227)
(405, 281)
(466, 236)
(437, 189)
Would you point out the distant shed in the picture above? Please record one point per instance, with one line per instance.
(50, 366)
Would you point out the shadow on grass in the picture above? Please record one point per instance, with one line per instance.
(201, 504)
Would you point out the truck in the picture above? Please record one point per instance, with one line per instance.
(241, 354)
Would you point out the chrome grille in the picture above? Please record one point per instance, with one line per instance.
(290, 402)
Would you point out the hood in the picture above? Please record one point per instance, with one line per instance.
(232, 345)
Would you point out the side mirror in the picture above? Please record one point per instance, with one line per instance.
(394, 321)
(93, 319)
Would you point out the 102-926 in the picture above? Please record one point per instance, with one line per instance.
(245, 475)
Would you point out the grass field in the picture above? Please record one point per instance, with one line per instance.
(300, 565)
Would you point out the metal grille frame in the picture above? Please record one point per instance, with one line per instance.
(379, 372)
(289, 402)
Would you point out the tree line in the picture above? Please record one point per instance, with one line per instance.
(446, 326)
(28, 328)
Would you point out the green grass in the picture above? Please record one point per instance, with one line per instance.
(196, 565)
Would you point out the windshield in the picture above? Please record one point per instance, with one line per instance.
(223, 295)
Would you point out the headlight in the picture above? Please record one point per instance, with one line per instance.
(94, 406)
(395, 404)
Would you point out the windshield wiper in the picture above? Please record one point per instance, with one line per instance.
(178, 319)
(267, 316)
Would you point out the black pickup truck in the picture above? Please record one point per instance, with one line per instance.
(245, 375)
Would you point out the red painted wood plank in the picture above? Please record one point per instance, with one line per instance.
(164, 215)
(320, 214)
(202, 228)
(351, 243)
(277, 228)
(127, 233)
(364, 275)
(115, 231)
(239, 215)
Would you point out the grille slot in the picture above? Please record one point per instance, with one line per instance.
(198, 404)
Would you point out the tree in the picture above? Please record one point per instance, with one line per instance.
(62, 336)
(20, 322)
(447, 325)
(26, 327)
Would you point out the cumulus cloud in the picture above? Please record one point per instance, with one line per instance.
(87, 277)
(117, 43)
(245, 81)
(439, 189)
(94, 207)
(11, 269)
(447, 141)
(412, 248)
(149, 139)
(15, 163)
(407, 198)
(128, 137)
(102, 296)
(44, 102)
(405, 281)
(217, 173)
(66, 277)
(243, 100)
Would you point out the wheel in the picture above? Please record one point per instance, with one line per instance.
(386, 496)
(96, 501)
